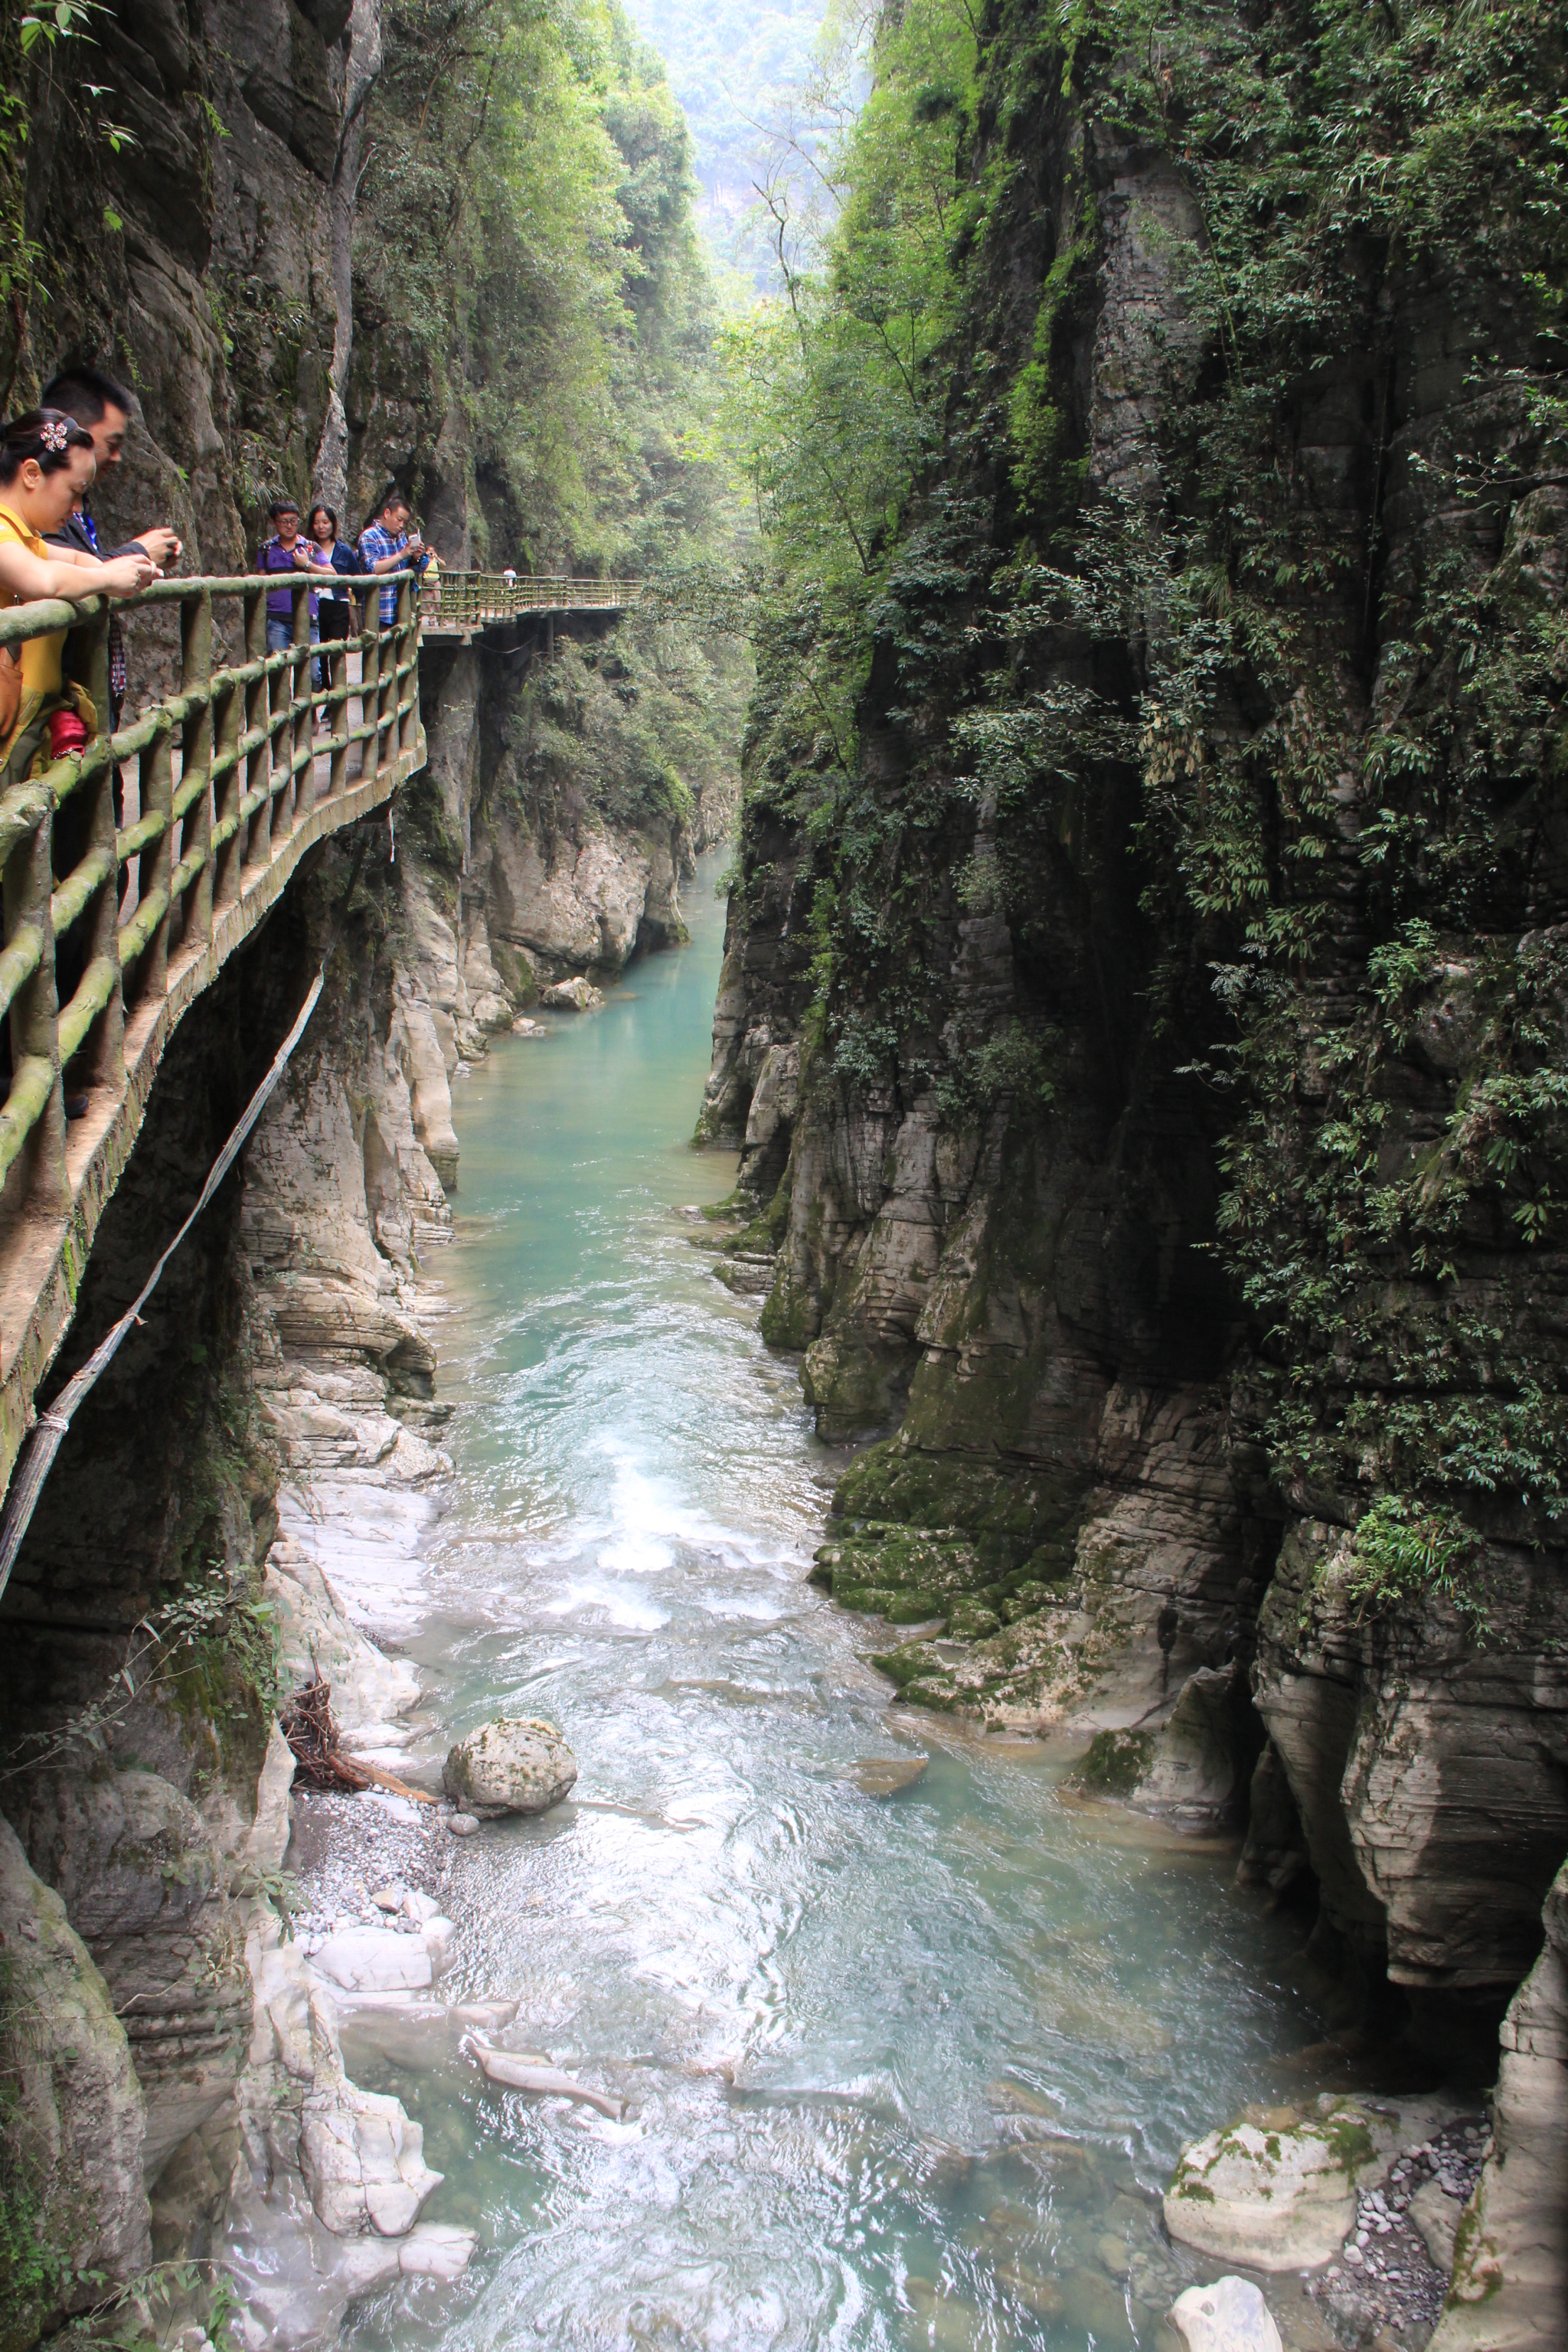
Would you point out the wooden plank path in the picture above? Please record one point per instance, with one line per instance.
(234, 786)
(463, 605)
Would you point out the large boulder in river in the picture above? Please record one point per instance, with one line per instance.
(1228, 2317)
(1280, 2193)
(514, 1764)
(578, 995)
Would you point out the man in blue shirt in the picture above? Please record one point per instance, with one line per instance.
(389, 545)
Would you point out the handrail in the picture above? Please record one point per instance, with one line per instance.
(229, 799)
(467, 599)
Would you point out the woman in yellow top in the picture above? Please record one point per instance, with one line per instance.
(45, 463)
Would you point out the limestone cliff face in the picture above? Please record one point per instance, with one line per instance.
(137, 1650)
(240, 1502)
(73, 2174)
(993, 1176)
(535, 879)
(232, 302)
(1510, 2267)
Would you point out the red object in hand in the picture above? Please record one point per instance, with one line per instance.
(67, 733)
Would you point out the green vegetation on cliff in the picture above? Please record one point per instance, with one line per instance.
(530, 286)
(1251, 619)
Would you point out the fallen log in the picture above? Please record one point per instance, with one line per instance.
(308, 1724)
(529, 2071)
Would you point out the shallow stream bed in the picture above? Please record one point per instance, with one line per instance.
(899, 2069)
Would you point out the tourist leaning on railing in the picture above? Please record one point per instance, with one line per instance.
(45, 463)
(102, 408)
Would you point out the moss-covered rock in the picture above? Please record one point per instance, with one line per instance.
(1116, 1761)
(1280, 2193)
(972, 1621)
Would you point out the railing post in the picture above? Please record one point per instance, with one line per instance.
(196, 742)
(301, 735)
(406, 688)
(28, 885)
(256, 833)
(106, 1058)
(386, 683)
(338, 713)
(155, 863)
(370, 686)
(228, 715)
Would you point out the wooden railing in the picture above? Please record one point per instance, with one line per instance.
(233, 784)
(467, 600)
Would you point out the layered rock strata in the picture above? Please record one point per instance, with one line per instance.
(1509, 2284)
(241, 1504)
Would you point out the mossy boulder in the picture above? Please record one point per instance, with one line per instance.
(1278, 2190)
(514, 1764)
(1030, 1597)
(1115, 1762)
(944, 1524)
(972, 1621)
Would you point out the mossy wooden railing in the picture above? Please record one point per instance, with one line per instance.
(465, 601)
(234, 784)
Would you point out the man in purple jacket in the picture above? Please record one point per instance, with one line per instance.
(284, 551)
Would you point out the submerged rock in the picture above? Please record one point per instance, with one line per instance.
(884, 1776)
(1284, 2198)
(578, 995)
(1228, 2317)
(514, 1764)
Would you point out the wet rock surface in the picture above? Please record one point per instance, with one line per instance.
(1280, 2191)
(514, 1764)
(1230, 2316)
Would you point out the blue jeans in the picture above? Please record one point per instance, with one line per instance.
(280, 634)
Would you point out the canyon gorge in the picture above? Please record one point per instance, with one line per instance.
(1108, 1348)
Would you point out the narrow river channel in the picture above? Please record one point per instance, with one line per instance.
(899, 2069)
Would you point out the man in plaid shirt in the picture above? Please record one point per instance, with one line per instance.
(387, 545)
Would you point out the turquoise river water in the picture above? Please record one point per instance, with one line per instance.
(901, 2070)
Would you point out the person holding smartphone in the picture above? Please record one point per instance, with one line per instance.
(389, 545)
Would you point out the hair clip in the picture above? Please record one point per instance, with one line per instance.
(55, 436)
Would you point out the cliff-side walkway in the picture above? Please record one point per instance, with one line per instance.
(233, 783)
(464, 604)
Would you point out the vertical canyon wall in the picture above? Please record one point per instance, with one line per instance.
(163, 2066)
(1147, 1090)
